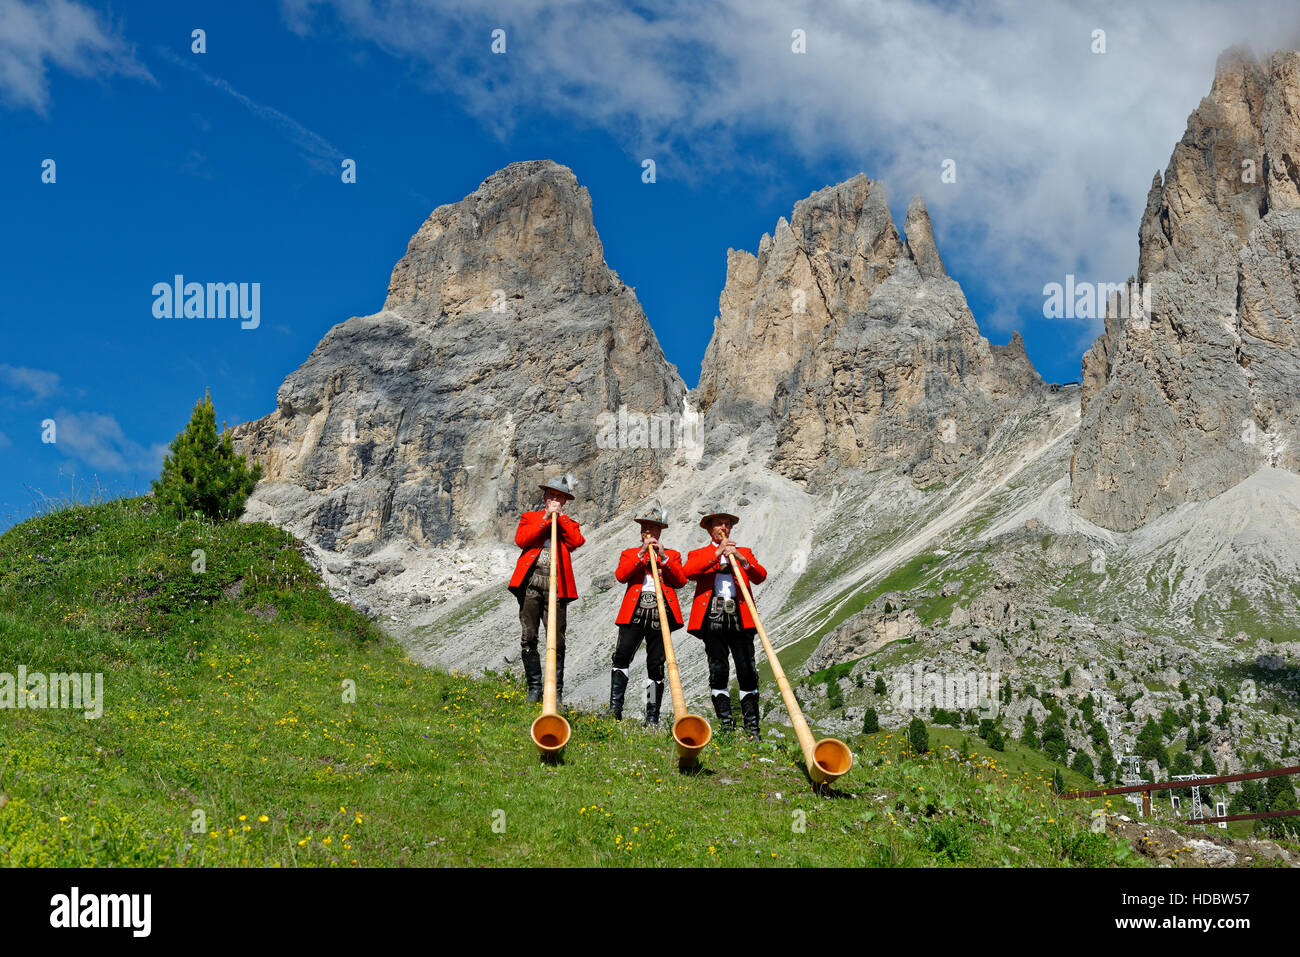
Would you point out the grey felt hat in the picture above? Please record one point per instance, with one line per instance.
(654, 514)
(560, 483)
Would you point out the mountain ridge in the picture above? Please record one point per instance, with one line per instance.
(917, 493)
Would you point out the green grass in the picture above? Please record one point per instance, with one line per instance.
(227, 739)
(903, 578)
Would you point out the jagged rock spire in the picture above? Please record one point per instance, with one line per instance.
(920, 240)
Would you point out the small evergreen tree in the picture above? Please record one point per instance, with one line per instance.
(834, 694)
(917, 736)
(1054, 744)
(995, 740)
(1106, 765)
(1083, 764)
(203, 473)
(1207, 764)
(870, 722)
(1029, 734)
(879, 687)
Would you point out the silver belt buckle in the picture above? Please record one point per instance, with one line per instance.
(729, 605)
(647, 600)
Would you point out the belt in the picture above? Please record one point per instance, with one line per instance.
(648, 600)
(721, 606)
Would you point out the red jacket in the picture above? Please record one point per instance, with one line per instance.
(632, 571)
(535, 529)
(701, 566)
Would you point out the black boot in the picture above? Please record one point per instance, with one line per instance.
(532, 672)
(722, 705)
(654, 696)
(559, 676)
(617, 688)
(749, 710)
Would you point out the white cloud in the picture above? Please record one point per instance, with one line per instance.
(35, 34)
(37, 381)
(98, 441)
(1055, 145)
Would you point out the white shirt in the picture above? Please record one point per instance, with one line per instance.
(649, 582)
(724, 585)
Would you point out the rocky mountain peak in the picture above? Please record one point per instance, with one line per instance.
(1182, 404)
(855, 344)
(528, 225)
(504, 348)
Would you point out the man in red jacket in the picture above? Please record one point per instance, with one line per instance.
(531, 581)
(638, 616)
(720, 617)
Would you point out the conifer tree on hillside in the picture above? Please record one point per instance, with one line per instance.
(203, 473)
(918, 736)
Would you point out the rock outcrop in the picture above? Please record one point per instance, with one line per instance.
(502, 355)
(856, 345)
(1186, 402)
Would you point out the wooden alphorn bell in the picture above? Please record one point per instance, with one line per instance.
(690, 731)
(826, 759)
(550, 730)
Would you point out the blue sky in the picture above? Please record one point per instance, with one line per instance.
(224, 166)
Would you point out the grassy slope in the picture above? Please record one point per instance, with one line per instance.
(228, 699)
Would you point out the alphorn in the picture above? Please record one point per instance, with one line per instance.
(551, 730)
(826, 759)
(691, 732)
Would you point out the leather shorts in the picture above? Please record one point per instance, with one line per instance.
(646, 613)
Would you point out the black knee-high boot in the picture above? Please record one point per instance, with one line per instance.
(722, 705)
(654, 696)
(617, 689)
(532, 672)
(749, 711)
